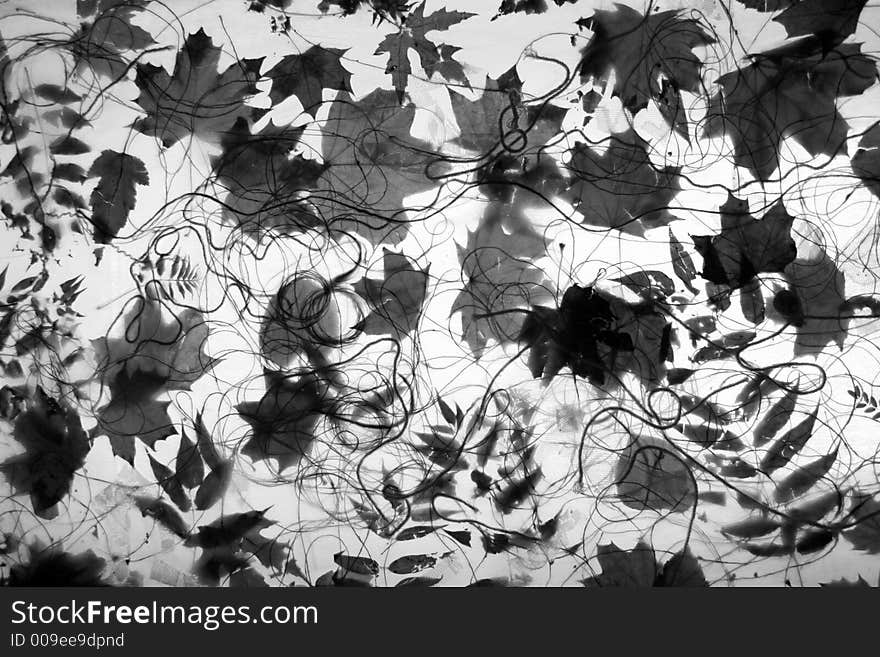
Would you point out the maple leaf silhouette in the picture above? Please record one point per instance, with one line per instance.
(500, 119)
(284, 421)
(819, 313)
(106, 31)
(55, 447)
(746, 246)
(645, 52)
(114, 197)
(266, 187)
(411, 36)
(155, 355)
(595, 333)
(621, 188)
(499, 274)
(397, 300)
(372, 163)
(787, 93)
(639, 568)
(307, 75)
(196, 99)
(831, 21)
(229, 542)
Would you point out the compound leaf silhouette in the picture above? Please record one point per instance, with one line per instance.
(789, 444)
(804, 478)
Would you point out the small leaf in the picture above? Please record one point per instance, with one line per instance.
(359, 565)
(68, 146)
(170, 484)
(188, 466)
(814, 540)
(462, 536)
(163, 513)
(751, 527)
(56, 94)
(682, 264)
(412, 563)
(446, 410)
(791, 443)
(411, 533)
(775, 418)
(214, 486)
(682, 570)
(418, 581)
(206, 444)
(802, 479)
(813, 510)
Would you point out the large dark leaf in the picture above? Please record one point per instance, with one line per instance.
(788, 93)
(55, 447)
(306, 76)
(648, 54)
(266, 187)
(595, 334)
(196, 99)
(746, 246)
(621, 188)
